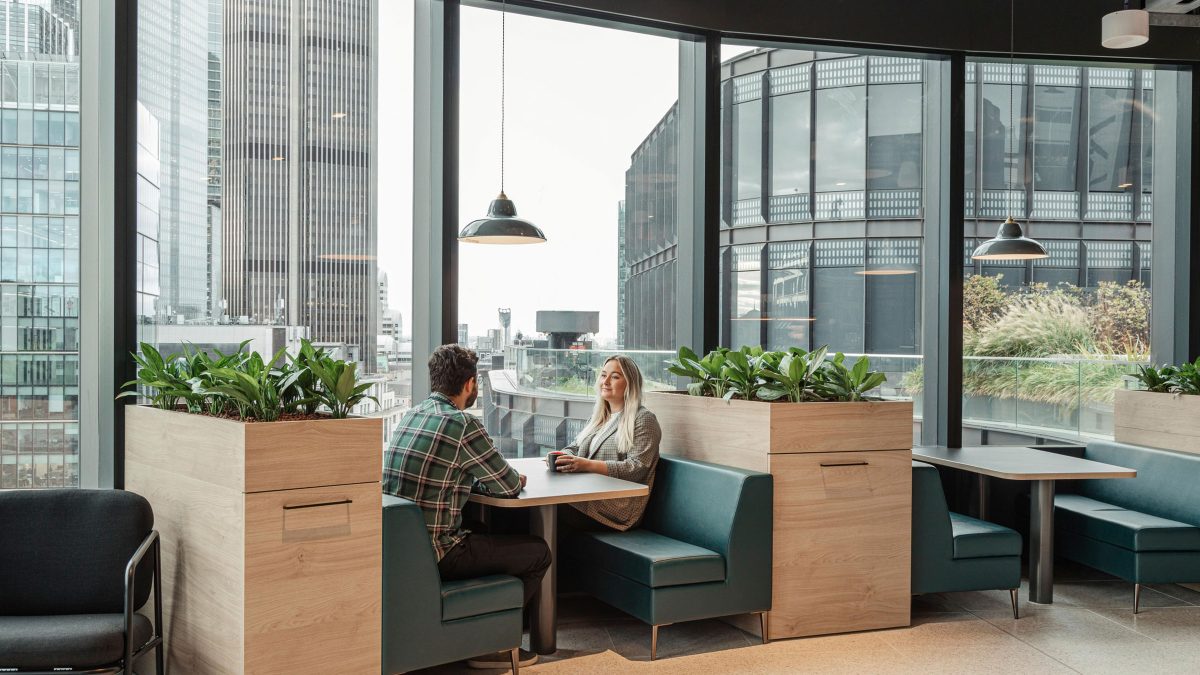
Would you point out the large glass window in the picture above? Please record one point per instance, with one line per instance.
(791, 141)
(894, 137)
(39, 252)
(543, 317)
(1001, 132)
(1056, 122)
(841, 139)
(257, 189)
(1110, 131)
(1046, 342)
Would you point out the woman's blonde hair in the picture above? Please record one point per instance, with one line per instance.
(633, 403)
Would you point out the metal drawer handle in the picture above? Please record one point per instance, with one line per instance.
(846, 464)
(313, 506)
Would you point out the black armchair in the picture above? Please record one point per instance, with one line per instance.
(75, 566)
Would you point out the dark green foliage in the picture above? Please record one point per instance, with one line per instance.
(794, 375)
(245, 385)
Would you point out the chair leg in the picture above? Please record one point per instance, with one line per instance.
(765, 624)
(653, 642)
(1012, 593)
(1137, 597)
(515, 657)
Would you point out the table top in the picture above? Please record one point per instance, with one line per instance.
(1018, 463)
(545, 487)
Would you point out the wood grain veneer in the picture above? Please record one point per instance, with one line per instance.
(252, 584)
(1165, 421)
(842, 505)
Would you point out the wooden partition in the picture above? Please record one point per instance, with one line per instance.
(271, 540)
(843, 501)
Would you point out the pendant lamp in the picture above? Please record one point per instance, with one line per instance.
(501, 225)
(1010, 242)
(1125, 28)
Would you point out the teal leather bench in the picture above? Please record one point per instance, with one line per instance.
(703, 549)
(427, 622)
(952, 552)
(1144, 529)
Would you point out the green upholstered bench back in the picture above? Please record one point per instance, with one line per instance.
(700, 503)
(1166, 484)
(410, 575)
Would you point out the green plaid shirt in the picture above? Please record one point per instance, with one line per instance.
(437, 454)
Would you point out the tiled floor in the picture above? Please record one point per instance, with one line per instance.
(1089, 629)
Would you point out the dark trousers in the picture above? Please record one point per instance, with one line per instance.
(520, 555)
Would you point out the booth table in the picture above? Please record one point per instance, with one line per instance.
(1042, 468)
(544, 491)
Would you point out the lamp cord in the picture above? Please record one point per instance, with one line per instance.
(1012, 135)
(503, 55)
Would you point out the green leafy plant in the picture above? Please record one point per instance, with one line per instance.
(706, 374)
(246, 385)
(1187, 378)
(796, 375)
(743, 373)
(793, 375)
(256, 388)
(836, 382)
(1160, 380)
(339, 389)
(163, 380)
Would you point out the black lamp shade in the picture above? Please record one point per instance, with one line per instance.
(502, 226)
(1010, 243)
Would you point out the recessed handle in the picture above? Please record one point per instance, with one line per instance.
(290, 507)
(845, 464)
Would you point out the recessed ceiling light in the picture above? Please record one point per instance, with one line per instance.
(1125, 185)
(277, 158)
(338, 115)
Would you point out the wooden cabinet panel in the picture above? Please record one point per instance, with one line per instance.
(842, 541)
(313, 580)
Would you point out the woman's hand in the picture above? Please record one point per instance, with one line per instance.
(573, 464)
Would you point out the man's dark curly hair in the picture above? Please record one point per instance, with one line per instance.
(450, 367)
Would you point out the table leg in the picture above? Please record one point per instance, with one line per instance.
(983, 497)
(1041, 542)
(543, 613)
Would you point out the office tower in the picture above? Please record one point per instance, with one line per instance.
(505, 324)
(646, 317)
(173, 85)
(299, 235)
(215, 59)
(147, 225)
(39, 258)
(462, 334)
(622, 273)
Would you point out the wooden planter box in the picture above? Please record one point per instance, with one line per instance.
(843, 501)
(271, 539)
(1166, 421)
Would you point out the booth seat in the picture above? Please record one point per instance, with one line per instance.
(428, 622)
(703, 549)
(952, 552)
(1144, 529)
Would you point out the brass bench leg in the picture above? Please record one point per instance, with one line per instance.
(1012, 593)
(653, 642)
(515, 657)
(1137, 597)
(765, 624)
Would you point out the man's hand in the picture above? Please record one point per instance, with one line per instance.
(523, 480)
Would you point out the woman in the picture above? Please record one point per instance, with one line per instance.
(620, 440)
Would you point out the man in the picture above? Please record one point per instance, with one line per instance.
(437, 456)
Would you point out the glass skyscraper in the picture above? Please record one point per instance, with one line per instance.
(174, 87)
(39, 246)
(299, 240)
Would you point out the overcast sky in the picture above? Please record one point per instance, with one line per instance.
(579, 102)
